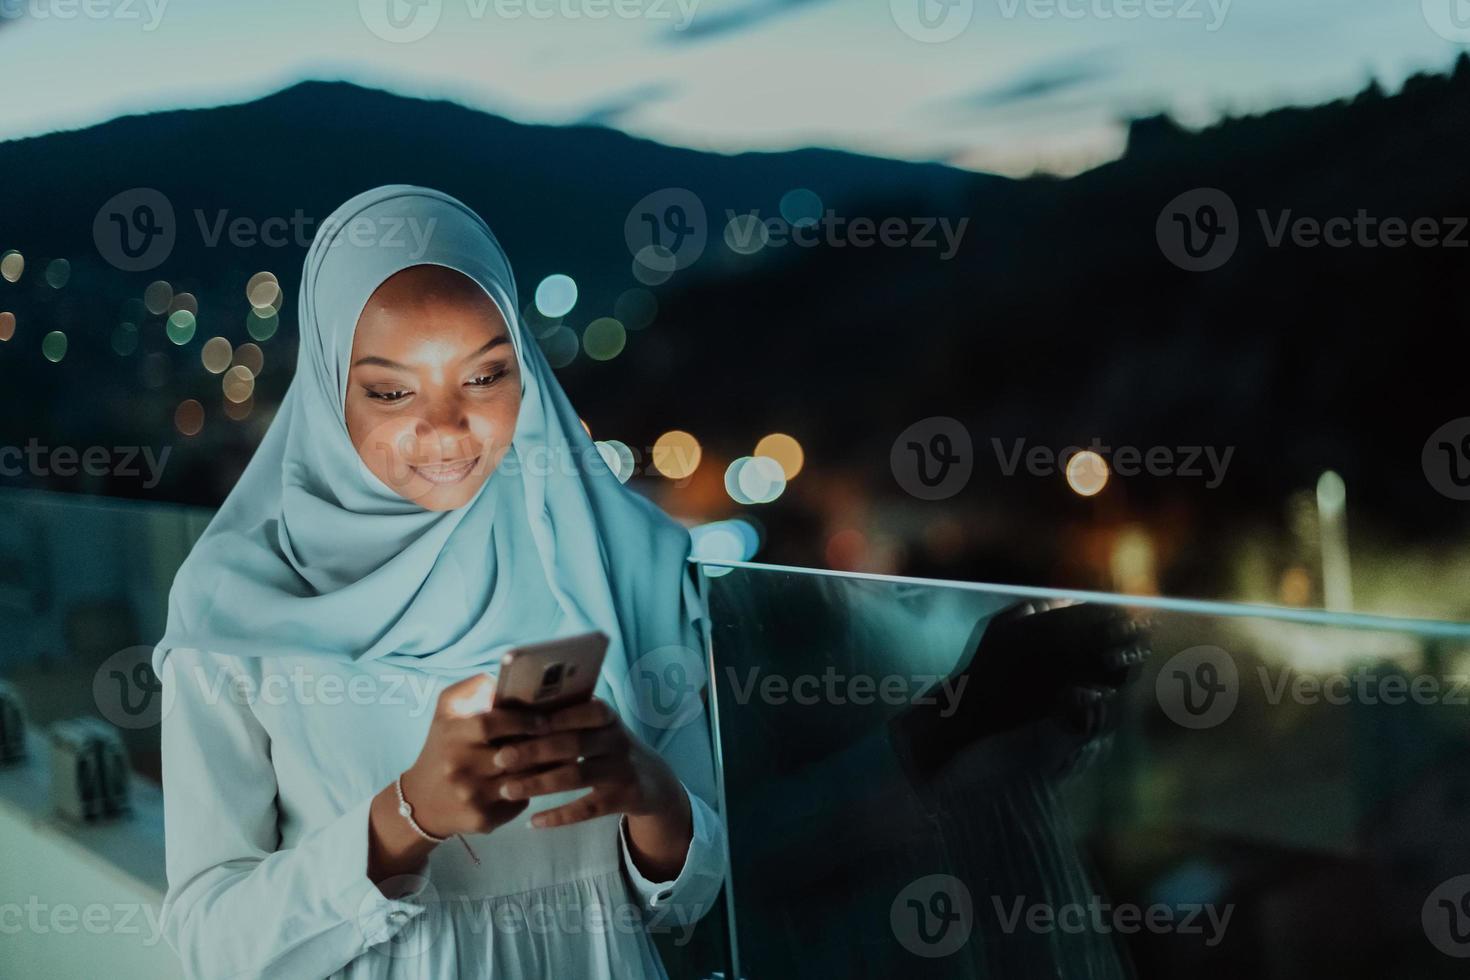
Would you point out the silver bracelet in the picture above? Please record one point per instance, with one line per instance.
(406, 811)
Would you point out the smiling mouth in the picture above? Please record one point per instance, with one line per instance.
(447, 474)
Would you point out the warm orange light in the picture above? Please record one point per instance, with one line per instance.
(784, 450)
(1087, 473)
(189, 417)
(676, 454)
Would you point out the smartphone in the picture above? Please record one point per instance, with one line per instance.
(550, 675)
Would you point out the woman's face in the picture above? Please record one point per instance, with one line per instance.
(434, 387)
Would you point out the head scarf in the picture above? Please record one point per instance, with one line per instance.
(312, 555)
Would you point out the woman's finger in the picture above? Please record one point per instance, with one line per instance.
(596, 713)
(598, 803)
(572, 775)
(562, 747)
(504, 722)
(466, 697)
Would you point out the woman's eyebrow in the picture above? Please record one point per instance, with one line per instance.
(491, 344)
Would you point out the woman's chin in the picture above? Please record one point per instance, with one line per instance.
(447, 496)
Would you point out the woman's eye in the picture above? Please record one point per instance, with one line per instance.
(486, 380)
(387, 396)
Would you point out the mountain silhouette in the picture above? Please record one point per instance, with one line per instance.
(1058, 318)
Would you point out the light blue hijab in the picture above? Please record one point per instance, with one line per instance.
(313, 555)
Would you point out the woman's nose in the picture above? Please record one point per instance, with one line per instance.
(445, 421)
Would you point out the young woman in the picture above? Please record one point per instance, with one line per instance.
(425, 499)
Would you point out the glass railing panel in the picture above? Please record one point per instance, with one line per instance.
(84, 587)
(939, 779)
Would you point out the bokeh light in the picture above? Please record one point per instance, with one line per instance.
(262, 324)
(556, 295)
(157, 297)
(12, 265)
(847, 550)
(676, 454)
(604, 339)
(264, 292)
(761, 479)
(250, 356)
(58, 273)
(216, 355)
(239, 411)
(754, 480)
(784, 450)
(187, 302)
(561, 346)
(746, 234)
(1331, 494)
(732, 481)
(619, 458)
(7, 325)
(653, 265)
(801, 207)
(53, 346)
(731, 540)
(189, 417)
(636, 308)
(180, 327)
(125, 339)
(1087, 473)
(540, 326)
(238, 384)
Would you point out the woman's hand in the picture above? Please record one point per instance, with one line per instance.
(454, 786)
(587, 746)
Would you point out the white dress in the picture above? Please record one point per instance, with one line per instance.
(270, 765)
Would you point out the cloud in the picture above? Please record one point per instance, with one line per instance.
(754, 14)
(1039, 83)
(624, 104)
